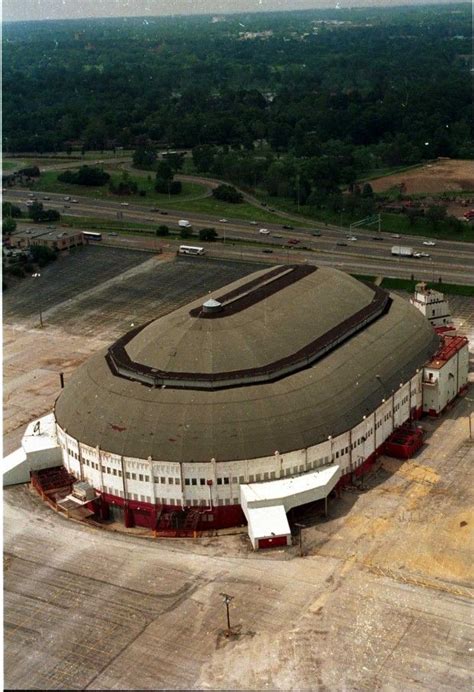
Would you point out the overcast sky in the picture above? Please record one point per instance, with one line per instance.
(75, 9)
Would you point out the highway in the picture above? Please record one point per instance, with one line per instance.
(370, 253)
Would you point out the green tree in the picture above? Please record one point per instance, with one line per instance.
(435, 213)
(162, 231)
(209, 234)
(8, 225)
(185, 233)
(227, 193)
(9, 209)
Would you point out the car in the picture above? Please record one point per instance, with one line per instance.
(268, 251)
(113, 233)
(124, 204)
(288, 228)
(253, 223)
(264, 231)
(47, 198)
(342, 244)
(223, 220)
(29, 202)
(417, 255)
(376, 237)
(429, 242)
(74, 201)
(316, 234)
(424, 254)
(164, 213)
(67, 199)
(351, 237)
(30, 194)
(293, 241)
(275, 235)
(395, 235)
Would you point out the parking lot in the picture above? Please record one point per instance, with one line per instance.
(99, 291)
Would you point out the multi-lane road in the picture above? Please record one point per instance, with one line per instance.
(370, 253)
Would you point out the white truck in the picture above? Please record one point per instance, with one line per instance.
(184, 223)
(402, 251)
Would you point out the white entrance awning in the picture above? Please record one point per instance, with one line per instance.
(265, 504)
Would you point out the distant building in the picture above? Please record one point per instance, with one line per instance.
(52, 238)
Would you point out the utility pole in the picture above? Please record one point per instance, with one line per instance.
(227, 600)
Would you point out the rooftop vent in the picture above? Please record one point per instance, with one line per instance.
(212, 305)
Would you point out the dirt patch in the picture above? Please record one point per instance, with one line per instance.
(444, 175)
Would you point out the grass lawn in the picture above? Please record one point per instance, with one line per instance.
(8, 165)
(408, 285)
(49, 182)
(244, 211)
(122, 227)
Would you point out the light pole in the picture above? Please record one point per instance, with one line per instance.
(227, 600)
(37, 275)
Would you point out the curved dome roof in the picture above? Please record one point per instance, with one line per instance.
(287, 357)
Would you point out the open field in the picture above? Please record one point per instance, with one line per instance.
(48, 182)
(444, 175)
(381, 601)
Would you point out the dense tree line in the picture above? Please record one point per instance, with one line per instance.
(382, 86)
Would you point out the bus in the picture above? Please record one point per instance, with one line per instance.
(190, 250)
(91, 235)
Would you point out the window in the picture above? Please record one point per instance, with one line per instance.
(258, 477)
(142, 498)
(147, 478)
(114, 471)
(193, 481)
(251, 479)
(202, 481)
(219, 481)
(202, 502)
(272, 475)
(177, 481)
(135, 496)
(241, 479)
(187, 503)
(265, 476)
(227, 501)
(234, 479)
(156, 479)
(170, 481)
(140, 477)
(127, 474)
(195, 502)
(162, 479)
(187, 481)
(134, 476)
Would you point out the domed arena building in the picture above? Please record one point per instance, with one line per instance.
(266, 395)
